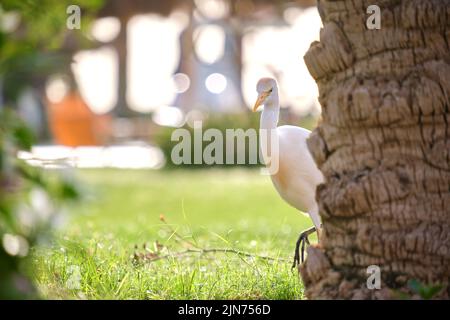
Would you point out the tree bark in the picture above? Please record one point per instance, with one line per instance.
(383, 146)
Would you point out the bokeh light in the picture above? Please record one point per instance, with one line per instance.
(168, 116)
(15, 245)
(105, 29)
(153, 56)
(56, 89)
(216, 83)
(209, 43)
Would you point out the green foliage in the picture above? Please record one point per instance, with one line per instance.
(30, 200)
(424, 291)
(32, 51)
(222, 122)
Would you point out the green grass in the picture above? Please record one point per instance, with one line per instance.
(234, 208)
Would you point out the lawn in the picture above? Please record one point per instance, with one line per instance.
(93, 255)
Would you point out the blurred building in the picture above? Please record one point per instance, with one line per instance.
(165, 59)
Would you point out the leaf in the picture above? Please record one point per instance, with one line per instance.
(69, 191)
(430, 291)
(425, 291)
(24, 137)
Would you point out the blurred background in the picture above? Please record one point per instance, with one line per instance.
(137, 69)
(82, 109)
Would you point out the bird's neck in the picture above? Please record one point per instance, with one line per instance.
(268, 125)
(270, 114)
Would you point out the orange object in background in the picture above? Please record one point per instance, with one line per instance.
(73, 124)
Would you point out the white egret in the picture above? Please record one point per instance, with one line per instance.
(297, 176)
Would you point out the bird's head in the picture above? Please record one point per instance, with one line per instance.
(267, 89)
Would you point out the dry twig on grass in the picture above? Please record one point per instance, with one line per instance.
(161, 252)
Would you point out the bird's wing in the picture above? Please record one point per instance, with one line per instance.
(295, 150)
(298, 174)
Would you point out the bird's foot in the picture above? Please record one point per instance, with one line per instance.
(300, 246)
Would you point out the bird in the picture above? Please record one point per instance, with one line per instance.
(297, 176)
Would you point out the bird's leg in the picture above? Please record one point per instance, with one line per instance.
(302, 240)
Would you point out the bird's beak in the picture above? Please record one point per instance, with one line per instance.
(261, 98)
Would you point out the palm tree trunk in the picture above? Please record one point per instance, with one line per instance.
(384, 148)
